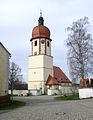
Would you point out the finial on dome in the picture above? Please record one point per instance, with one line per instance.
(40, 20)
(40, 13)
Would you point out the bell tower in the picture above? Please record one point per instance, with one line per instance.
(40, 61)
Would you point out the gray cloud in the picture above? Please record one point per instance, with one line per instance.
(18, 17)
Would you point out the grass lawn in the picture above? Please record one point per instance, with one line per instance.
(68, 97)
(12, 105)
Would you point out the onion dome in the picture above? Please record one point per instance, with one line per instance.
(40, 31)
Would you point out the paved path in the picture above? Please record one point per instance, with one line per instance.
(46, 108)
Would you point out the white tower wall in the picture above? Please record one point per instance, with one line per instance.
(40, 67)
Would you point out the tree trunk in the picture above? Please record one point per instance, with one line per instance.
(12, 90)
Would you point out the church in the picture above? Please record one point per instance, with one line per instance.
(43, 77)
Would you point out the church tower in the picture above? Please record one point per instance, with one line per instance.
(40, 63)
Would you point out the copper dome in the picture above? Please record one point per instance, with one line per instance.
(40, 31)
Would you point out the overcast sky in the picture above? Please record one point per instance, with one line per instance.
(19, 17)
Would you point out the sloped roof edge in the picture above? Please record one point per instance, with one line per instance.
(5, 48)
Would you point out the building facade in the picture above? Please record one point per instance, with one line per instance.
(4, 70)
(40, 63)
(88, 82)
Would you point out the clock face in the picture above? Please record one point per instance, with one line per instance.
(42, 41)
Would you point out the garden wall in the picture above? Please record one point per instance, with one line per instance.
(19, 92)
(85, 93)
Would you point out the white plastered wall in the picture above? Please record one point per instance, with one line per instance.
(40, 67)
(4, 71)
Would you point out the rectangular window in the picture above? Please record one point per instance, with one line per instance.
(48, 43)
(35, 43)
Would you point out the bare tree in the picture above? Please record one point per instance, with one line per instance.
(15, 72)
(80, 49)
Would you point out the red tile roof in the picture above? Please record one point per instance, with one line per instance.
(58, 78)
(51, 81)
(40, 31)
